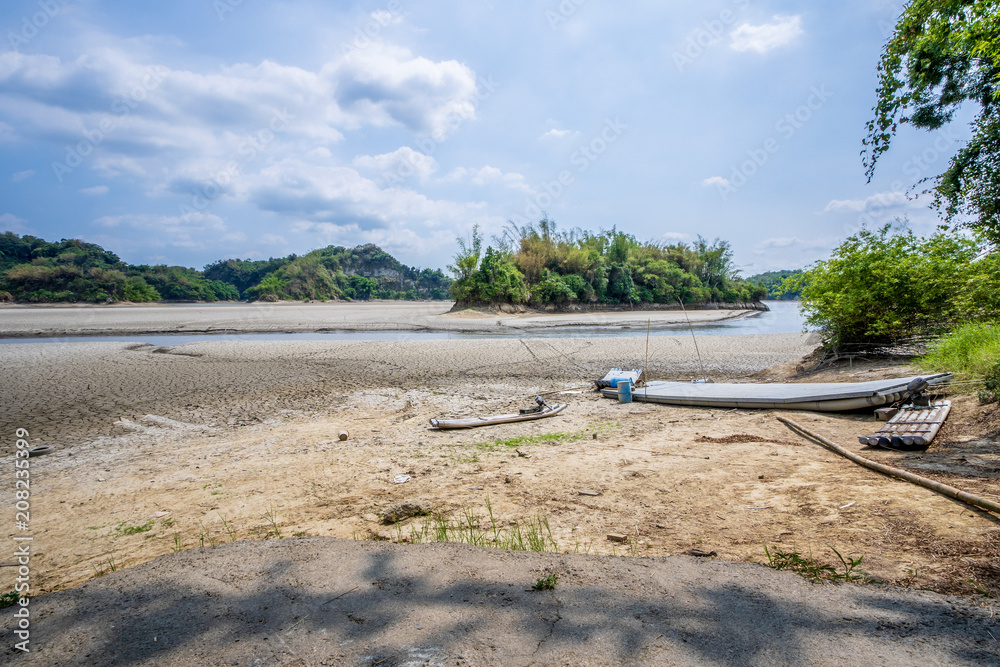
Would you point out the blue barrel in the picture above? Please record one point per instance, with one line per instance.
(624, 391)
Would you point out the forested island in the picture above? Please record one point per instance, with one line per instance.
(538, 265)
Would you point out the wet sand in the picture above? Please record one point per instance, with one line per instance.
(261, 317)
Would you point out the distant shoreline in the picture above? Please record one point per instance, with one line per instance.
(20, 321)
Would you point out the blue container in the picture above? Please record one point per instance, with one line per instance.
(624, 391)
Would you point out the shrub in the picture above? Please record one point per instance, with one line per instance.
(881, 287)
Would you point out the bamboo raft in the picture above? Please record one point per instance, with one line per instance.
(912, 426)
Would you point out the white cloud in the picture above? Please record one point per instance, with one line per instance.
(512, 180)
(187, 126)
(398, 165)
(384, 84)
(878, 202)
(558, 134)
(273, 239)
(487, 174)
(385, 17)
(768, 36)
(674, 236)
(95, 191)
(178, 229)
(717, 181)
(791, 242)
(11, 223)
(21, 175)
(341, 196)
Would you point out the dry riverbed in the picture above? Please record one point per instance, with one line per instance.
(159, 450)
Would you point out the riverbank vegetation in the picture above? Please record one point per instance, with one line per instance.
(883, 287)
(542, 266)
(887, 287)
(774, 283)
(33, 270)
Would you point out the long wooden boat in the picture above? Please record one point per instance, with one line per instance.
(820, 396)
(472, 422)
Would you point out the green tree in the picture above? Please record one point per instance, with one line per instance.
(271, 288)
(467, 257)
(944, 53)
(880, 287)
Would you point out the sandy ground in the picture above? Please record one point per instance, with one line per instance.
(324, 601)
(167, 449)
(68, 320)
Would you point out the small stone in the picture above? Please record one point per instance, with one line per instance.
(404, 510)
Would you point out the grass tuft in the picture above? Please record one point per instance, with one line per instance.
(811, 568)
(480, 531)
(546, 583)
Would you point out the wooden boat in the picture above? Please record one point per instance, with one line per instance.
(819, 396)
(913, 426)
(472, 422)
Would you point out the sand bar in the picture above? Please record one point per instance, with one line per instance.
(68, 320)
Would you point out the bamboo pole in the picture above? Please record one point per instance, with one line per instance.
(949, 491)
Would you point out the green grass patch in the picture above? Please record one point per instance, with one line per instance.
(123, 528)
(9, 599)
(972, 353)
(525, 440)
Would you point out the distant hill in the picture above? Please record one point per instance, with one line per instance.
(772, 280)
(33, 270)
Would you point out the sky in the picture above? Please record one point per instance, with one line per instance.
(189, 131)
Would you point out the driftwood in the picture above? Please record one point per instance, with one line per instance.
(944, 489)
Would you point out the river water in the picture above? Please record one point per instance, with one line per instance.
(784, 317)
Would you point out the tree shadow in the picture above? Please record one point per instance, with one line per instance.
(343, 602)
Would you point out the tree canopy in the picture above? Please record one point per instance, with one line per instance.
(942, 54)
(541, 265)
(35, 270)
(884, 286)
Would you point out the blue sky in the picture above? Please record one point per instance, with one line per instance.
(194, 130)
